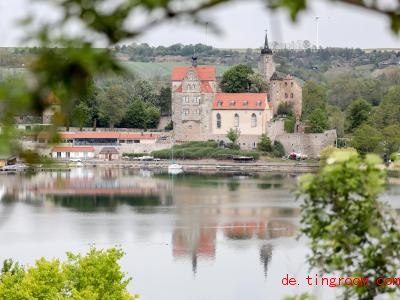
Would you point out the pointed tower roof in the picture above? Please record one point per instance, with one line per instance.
(266, 49)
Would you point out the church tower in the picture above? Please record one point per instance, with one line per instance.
(266, 66)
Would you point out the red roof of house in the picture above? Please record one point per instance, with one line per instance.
(107, 135)
(256, 101)
(73, 149)
(204, 73)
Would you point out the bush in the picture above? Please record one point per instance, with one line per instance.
(169, 126)
(278, 150)
(96, 275)
(264, 144)
(289, 124)
(201, 150)
(394, 156)
(138, 154)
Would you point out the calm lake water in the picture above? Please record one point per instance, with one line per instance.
(185, 237)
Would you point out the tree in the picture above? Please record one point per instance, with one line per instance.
(81, 115)
(164, 99)
(336, 119)
(351, 233)
(317, 121)
(264, 144)
(314, 97)
(391, 139)
(152, 116)
(135, 116)
(233, 135)
(112, 104)
(388, 112)
(236, 79)
(366, 139)
(258, 84)
(96, 275)
(358, 112)
(277, 149)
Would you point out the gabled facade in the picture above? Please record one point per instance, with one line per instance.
(193, 89)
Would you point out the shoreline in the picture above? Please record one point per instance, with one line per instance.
(213, 166)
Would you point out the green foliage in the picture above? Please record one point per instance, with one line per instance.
(202, 150)
(391, 138)
(236, 79)
(136, 154)
(277, 149)
(152, 116)
(314, 97)
(303, 296)
(317, 121)
(358, 113)
(394, 156)
(285, 109)
(169, 126)
(140, 115)
(233, 135)
(388, 112)
(112, 103)
(289, 124)
(350, 231)
(96, 275)
(264, 144)
(258, 84)
(366, 139)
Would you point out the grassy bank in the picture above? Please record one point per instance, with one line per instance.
(202, 150)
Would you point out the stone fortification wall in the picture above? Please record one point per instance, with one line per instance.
(307, 143)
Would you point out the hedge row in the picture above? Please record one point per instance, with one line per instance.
(203, 152)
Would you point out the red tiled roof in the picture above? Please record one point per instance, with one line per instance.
(204, 73)
(240, 101)
(73, 149)
(107, 135)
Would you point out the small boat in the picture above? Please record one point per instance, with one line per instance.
(175, 168)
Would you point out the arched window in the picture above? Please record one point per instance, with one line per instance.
(253, 120)
(236, 120)
(218, 120)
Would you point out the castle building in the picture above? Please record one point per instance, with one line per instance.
(200, 112)
(282, 88)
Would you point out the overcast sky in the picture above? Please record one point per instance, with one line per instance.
(243, 24)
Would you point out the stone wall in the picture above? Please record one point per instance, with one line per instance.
(307, 143)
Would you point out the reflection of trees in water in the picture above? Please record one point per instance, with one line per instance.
(7, 206)
(107, 203)
(268, 185)
(233, 185)
(265, 257)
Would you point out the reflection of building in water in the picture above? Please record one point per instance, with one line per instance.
(88, 189)
(194, 242)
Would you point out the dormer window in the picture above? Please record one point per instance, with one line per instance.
(219, 104)
(232, 103)
(258, 103)
(245, 103)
